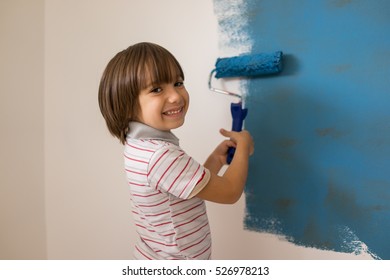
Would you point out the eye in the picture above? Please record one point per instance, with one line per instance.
(156, 90)
(179, 84)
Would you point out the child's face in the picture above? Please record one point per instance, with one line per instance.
(164, 106)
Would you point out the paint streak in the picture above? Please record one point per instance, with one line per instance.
(233, 23)
(319, 177)
(340, 3)
(330, 132)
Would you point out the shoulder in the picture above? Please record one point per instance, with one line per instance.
(148, 149)
(146, 145)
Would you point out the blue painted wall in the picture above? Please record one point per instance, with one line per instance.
(320, 175)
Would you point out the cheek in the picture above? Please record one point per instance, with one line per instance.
(187, 99)
(184, 94)
(149, 107)
(135, 113)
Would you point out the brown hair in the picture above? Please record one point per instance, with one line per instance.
(126, 74)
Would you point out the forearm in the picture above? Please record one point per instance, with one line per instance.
(228, 188)
(213, 163)
(237, 173)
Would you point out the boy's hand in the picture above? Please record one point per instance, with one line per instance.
(221, 150)
(228, 187)
(218, 157)
(240, 138)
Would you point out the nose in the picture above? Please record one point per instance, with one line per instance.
(173, 94)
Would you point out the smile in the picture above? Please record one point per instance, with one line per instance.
(173, 112)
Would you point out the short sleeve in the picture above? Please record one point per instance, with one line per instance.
(172, 171)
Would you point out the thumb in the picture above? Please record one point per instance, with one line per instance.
(225, 132)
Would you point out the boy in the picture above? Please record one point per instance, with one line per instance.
(142, 97)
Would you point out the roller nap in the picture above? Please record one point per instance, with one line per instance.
(249, 65)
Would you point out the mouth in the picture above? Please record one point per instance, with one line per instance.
(173, 112)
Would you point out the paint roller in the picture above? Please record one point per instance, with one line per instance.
(249, 66)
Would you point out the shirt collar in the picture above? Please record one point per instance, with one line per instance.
(139, 130)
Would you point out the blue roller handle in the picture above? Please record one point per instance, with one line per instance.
(238, 115)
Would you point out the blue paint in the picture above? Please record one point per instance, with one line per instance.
(320, 174)
(249, 65)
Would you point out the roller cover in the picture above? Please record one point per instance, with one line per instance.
(249, 65)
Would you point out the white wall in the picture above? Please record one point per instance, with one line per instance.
(22, 219)
(87, 196)
(87, 207)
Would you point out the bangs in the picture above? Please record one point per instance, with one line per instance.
(159, 67)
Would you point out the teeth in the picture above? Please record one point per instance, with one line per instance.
(173, 112)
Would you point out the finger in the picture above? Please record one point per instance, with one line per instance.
(224, 146)
(230, 144)
(225, 132)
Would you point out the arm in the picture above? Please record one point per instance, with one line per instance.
(228, 188)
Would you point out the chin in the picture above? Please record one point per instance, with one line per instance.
(178, 124)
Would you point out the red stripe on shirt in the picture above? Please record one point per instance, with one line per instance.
(136, 184)
(179, 201)
(141, 226)
(160, 243)
(163, 224)
(190, 180)
(153, 205)
(188, 210)
(138, 148)
(197, 243)
(191, 220)
(157, 161)
(201, 253)
(169, 167)
(201, 178)
(135, 172)
(158, 214)
(142, 253)
(193, 232)
(178, 176)
(137, 160)
(149, 195)
(152, 142)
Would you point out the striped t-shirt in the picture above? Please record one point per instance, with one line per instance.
(171, 222)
